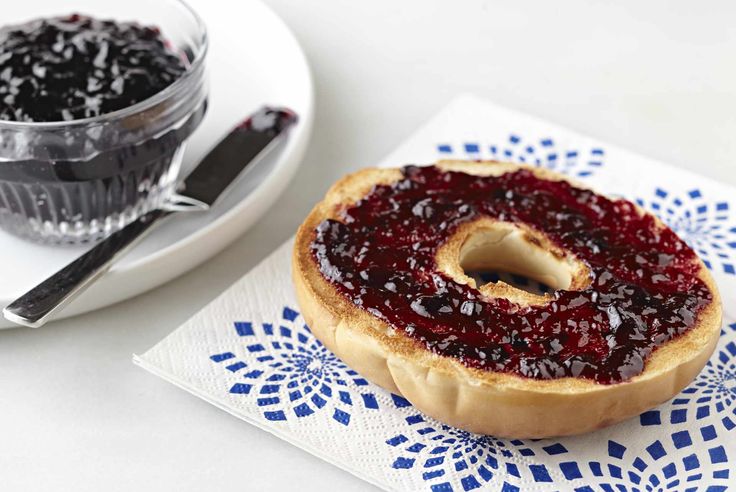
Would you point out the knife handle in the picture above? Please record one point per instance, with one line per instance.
(38, 305)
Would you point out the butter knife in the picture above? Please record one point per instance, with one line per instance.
(199, 191)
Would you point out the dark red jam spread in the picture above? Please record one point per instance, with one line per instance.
(72, 67)
(643, 290)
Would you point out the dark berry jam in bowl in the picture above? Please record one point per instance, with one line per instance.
(95, 111)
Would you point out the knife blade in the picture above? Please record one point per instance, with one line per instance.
(224, 163)
(200, 190)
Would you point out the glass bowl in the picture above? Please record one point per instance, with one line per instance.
(69, 182)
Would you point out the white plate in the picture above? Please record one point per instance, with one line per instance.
(254, 59)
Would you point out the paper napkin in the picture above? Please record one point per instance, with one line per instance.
(250, 353)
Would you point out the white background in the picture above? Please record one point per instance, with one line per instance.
(655, 77)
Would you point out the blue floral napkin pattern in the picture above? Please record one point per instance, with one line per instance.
(250, 352)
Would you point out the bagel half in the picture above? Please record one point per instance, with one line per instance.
(482, 401)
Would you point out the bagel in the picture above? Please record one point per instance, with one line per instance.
(380, 268)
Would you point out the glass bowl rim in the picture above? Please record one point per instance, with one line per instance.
(138, 107)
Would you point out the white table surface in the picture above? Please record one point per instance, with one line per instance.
(656, 77)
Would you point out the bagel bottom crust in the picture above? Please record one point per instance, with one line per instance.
(498, 404)
(467, 404)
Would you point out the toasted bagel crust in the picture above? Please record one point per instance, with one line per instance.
(487, 402)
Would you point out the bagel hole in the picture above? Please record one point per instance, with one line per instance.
(518, 281)
(506, 253)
